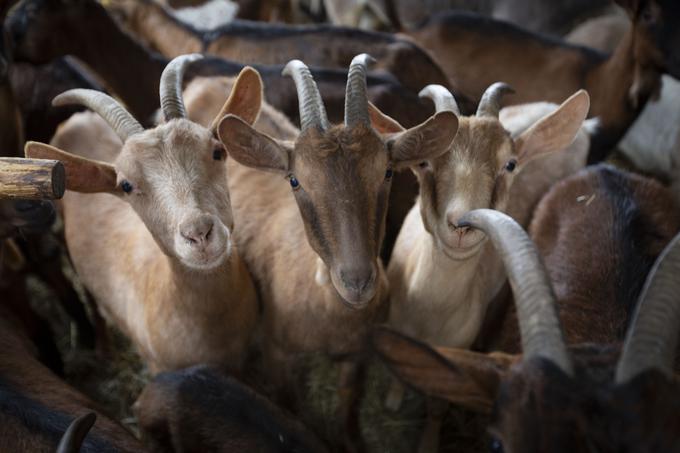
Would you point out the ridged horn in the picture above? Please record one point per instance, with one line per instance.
(442, 98)
(120, 120)
(172, 104)
(312, 110)
(652, 338)
(490, 104)
(356, 99)
(75, 434)
(539, 323)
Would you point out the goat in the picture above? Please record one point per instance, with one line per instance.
(169, 223)
(477, 171)
(251, 42)
(596, 311)
(201, 409)
(319, 270)
(37, 407)
(475, 51)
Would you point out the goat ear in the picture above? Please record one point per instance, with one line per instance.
(382, 123)
(425, 141)
(462, 377)
(556, 131)
(82, 175)
(245, 99)
(252, 148)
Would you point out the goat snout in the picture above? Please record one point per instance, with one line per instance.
(452, 220)
(358, 283)
(197, 231)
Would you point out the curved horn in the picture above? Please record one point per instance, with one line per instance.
(490, 104)
(539, 324)
(442, 98)
(74, 436)
(652, 338)
(122, 122)
(312, 111)
(172, 104)
(356, 99)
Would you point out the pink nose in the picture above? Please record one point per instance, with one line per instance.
(197, 231)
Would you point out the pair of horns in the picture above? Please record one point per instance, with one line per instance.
(653, 336)
(489, 106)
(312, 110)
(122, 122)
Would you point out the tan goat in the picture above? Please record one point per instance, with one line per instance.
(313, 250)
(443, 276)
(158, 255)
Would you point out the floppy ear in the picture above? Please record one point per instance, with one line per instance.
(425, 141)
(252, 148)
(245, 99)
(82, 175)
(382, 123)
(462, 377)
(556, 131)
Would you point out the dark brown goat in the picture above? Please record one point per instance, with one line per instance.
(252, 42)
(200, 409)
(599, 232)
(476, 51)
(36, 407)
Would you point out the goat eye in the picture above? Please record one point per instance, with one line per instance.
(423, 164)
(510, 166)
(388, 173)
(294, 183)
(126, 186)
(218, 153)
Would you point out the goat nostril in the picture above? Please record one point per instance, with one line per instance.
(207, 235)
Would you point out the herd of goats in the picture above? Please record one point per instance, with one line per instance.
(432, 198)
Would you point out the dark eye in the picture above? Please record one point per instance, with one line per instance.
(510, 166)
(126, 186)
(647, 15)
(423, 164)
(496, 446)
(294, 183)
(388, 173)
(218, 153)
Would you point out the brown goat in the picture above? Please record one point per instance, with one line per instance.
(475, 52)
(36, 407)
(184, 295)
(254, 43)
(584, 228)
(200, 409)
(313, 250)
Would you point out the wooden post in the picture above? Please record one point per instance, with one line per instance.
(31, 179)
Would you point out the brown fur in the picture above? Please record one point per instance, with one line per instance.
(180, 304)
(38, 425)
(599, 232)
(475, 52)
(277, 44)
(201, 409)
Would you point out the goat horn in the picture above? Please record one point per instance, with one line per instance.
(539, 324)
(356, 99)
(490, 104)
(442, 98)
(312, 111)
(122, 122)
(652, 339)
(74, 436)
(172, 104)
